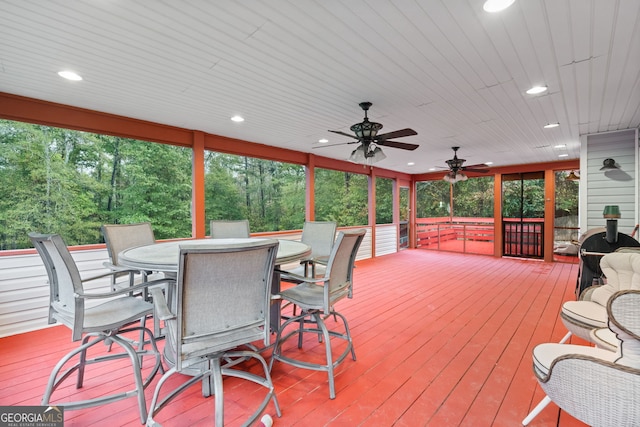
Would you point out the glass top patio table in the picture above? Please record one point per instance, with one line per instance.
(164, 256)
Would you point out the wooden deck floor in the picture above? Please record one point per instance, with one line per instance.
(442, 339)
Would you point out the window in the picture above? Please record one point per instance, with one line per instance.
(432, 199)
(384, 201)
(69, 182)
(341, 197)
(271, 195)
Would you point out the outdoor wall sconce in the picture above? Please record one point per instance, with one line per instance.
(611, 214)
(609, 164)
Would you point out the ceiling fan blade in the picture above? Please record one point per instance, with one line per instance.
(343, 133)
(396, 134)
(475, 170)
(397, 144)
(333, 145)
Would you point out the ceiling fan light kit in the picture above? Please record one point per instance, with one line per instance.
(366, 134)
(453, 177)
(370, 155)
(456, 166)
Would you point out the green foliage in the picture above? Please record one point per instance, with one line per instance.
(523, 196)
(384, 201)
(341, 197)
(41, 188)
(472, 198)
(432, 199)
(567, 195)
(271, 195)
(68, 182)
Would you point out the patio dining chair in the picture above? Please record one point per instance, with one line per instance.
(119, 237)
(94, 318)
(320, 236)
(316, 298)
(227, 229)
(222, 303)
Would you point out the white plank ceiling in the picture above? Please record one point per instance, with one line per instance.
(297, 68)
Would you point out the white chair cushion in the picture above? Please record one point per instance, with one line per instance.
(629, 347)
(586, 312)
(604, 338)
(545, 354)
(622, 270)
(602, 294)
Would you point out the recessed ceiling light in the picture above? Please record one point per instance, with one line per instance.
(410, 163)
(237, 119)
(560, 146)
(551, 125)
(488, 163)
(536, 90)
(69, 75)
(496, 5)
(563, 155)
(432, 169)
(323, 140)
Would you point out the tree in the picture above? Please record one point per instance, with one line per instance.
(341, 197)
(384, 201)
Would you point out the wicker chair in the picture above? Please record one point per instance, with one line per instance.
(316, 298)
(622, 271)
(587, 318)
(222, 302)
(93, 322)
(594, 385)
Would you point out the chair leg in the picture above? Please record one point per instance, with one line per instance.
(316, 318)
(264, 381)
(137, 374)
(565, 338)
(129, 351)
(216, 374)
(83, 360)
(211, 377)
(347, 333)
(329, 356)
(534, 413)
(157, 404)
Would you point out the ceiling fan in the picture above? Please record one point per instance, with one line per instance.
(456, 168)
(366, 134)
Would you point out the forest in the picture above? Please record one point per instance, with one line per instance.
(69, 182)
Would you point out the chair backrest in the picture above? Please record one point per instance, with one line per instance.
(64, 281)
(320, 235)
(622, 270)
(339, 273)
(624, 319)
(119, 237)
(223, 297)
(223, 229)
